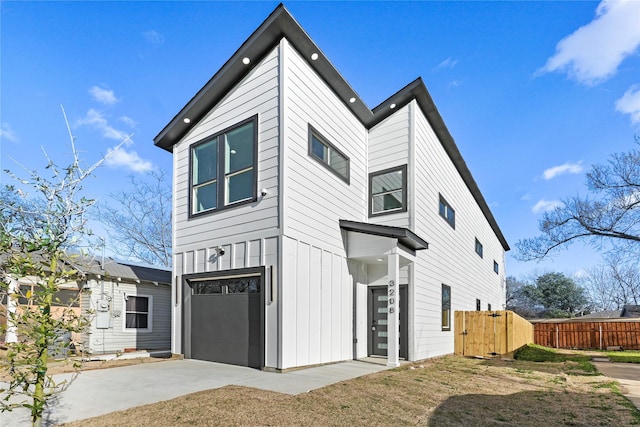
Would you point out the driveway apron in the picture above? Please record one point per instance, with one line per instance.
(101, 391)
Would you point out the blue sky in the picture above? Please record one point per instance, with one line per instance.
(534, 93)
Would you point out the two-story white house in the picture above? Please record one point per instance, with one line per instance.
(310, 229)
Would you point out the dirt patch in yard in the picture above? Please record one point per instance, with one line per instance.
(450, 391)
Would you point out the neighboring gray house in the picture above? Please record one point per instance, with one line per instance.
(129, 306)
(309, 228)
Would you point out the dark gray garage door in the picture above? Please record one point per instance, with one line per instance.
(226, 320)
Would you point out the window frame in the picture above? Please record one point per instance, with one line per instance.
(313, 132)
(479, 248)
(221, 193)
(496, 267)
(445, 309)
(404, 188)
(478, 304)
(443, 202)
(149, 327)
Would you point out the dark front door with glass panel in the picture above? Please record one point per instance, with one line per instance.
(378, 332)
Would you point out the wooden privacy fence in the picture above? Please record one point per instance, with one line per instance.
(490, 333)
(588, 335)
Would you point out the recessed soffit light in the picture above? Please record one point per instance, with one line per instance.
(314, 56)
(186, 120)
(246, 60)
(392, 106)
(352, 100)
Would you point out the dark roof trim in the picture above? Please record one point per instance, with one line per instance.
(281, 24)
(405, 236)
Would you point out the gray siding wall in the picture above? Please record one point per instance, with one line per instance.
(116, 338)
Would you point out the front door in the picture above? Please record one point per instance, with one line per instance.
(378, 332)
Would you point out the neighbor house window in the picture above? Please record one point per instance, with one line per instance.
(388, 191)
(496, 268)
(479, 248)
(447, 212)
(446, 308)
(137, 312)
(328, 155)
(223, 168)
(477, 305)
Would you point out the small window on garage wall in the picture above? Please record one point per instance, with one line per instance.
(138, 314)
(477, 305)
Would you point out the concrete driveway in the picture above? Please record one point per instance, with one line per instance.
(627, 374)
(98, 392)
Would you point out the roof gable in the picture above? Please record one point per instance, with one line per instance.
(281, 24)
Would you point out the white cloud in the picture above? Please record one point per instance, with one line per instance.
(594, 51)
(7, 133)
(546, 205)
(447, 63)
(573, 168)
(630, 102)
(127, 159)
(103, 96)
(153, 37)
(128, 121)
(98, 121)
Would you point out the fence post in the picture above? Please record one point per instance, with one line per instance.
(557, 337)
(600, 336)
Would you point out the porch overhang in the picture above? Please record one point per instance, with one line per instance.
(370, 243)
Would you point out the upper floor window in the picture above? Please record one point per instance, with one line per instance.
(496, 268)
(388, 191)
(223, 168)
(447, 212)
(479, 248)
(328, 155)
(477, 305)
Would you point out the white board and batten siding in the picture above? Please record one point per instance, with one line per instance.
(116, 338)
(317, 289)
(248, 233)
(451, 257)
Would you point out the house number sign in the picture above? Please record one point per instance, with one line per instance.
(391, 294)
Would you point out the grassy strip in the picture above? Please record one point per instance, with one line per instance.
(624, 356)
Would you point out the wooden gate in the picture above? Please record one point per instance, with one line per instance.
(490, 333)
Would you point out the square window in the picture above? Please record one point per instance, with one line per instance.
(388, 191)
(446, 308)
(447, 212)
(137, 313)
(479, 248)
(328, 155)
(228, 158)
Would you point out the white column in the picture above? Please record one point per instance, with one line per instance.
(11, 335)
(393, 305)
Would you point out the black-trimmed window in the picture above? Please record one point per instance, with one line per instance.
(489, 307)
(328, 155)
(496, 268)
(477, 305)
(446, 307)
(388, 191)
(223, 168)
(447, 212)
(479, 248)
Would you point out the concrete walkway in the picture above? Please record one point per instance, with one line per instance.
(627, 374)
(101, 391)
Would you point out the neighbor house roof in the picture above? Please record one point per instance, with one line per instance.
(281, 24)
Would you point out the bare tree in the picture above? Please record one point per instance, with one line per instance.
(611, 215)
(139, 219)
(35, 232)
(615, 283)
